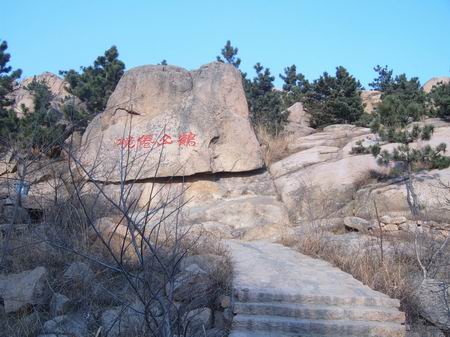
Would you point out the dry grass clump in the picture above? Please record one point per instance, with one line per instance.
(275, 147)
(396, 274)
(390, 267)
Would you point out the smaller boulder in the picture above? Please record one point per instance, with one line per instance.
(21, 290)
(397, 220)
(79, 272)
(355, 223)
(431, 299)
(192, 286)
(59, 305)
(72, 325)
(200, 319)
(108, 227)
(207, 262)
(121, 321)
(390, 228)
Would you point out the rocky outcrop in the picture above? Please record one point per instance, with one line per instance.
(370, 100)
(172, 122)
(391, 197)
(23, 98)
(333, 135)
(428, 86)
(325, 187)
(236, 207)
(325, 174)
(298, 123)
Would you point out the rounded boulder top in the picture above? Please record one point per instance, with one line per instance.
(428, 86)
(164, 121)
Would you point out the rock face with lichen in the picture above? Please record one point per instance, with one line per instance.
(172, 122)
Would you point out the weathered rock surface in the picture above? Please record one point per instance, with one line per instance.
(303, 159)
(333, 135)
(279, 292)
(198, 121)
(391, 197)
(370, 99)
(435, 81)
(298, 121)
(21, 290)
(237, 206)
(431, 299)
(326, 186)
(353, 222)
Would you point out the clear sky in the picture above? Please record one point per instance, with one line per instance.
(411, 36)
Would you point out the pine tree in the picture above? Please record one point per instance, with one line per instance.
(334, 99)
(41, 129)
(265, 102)
(403, 101)
(8, 77)
(407, 159)
(440, 100)
(96, 83)
(295, 86)
(229, 54)
(384, 81)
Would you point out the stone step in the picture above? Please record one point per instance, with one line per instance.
(273, 295)
(301, 327)
(311, 311)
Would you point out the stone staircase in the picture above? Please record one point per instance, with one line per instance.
(279, 292)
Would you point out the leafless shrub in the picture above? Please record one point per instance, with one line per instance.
(136, 257)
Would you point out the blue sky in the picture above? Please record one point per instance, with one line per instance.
(411, 36)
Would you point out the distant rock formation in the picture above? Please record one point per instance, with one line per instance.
(370, 99)
(173, 122)
(435, 81)
(23, 98)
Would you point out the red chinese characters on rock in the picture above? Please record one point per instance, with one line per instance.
(186, 139)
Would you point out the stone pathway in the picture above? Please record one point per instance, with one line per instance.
(279, 292)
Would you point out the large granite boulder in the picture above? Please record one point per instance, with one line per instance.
(167, 121)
